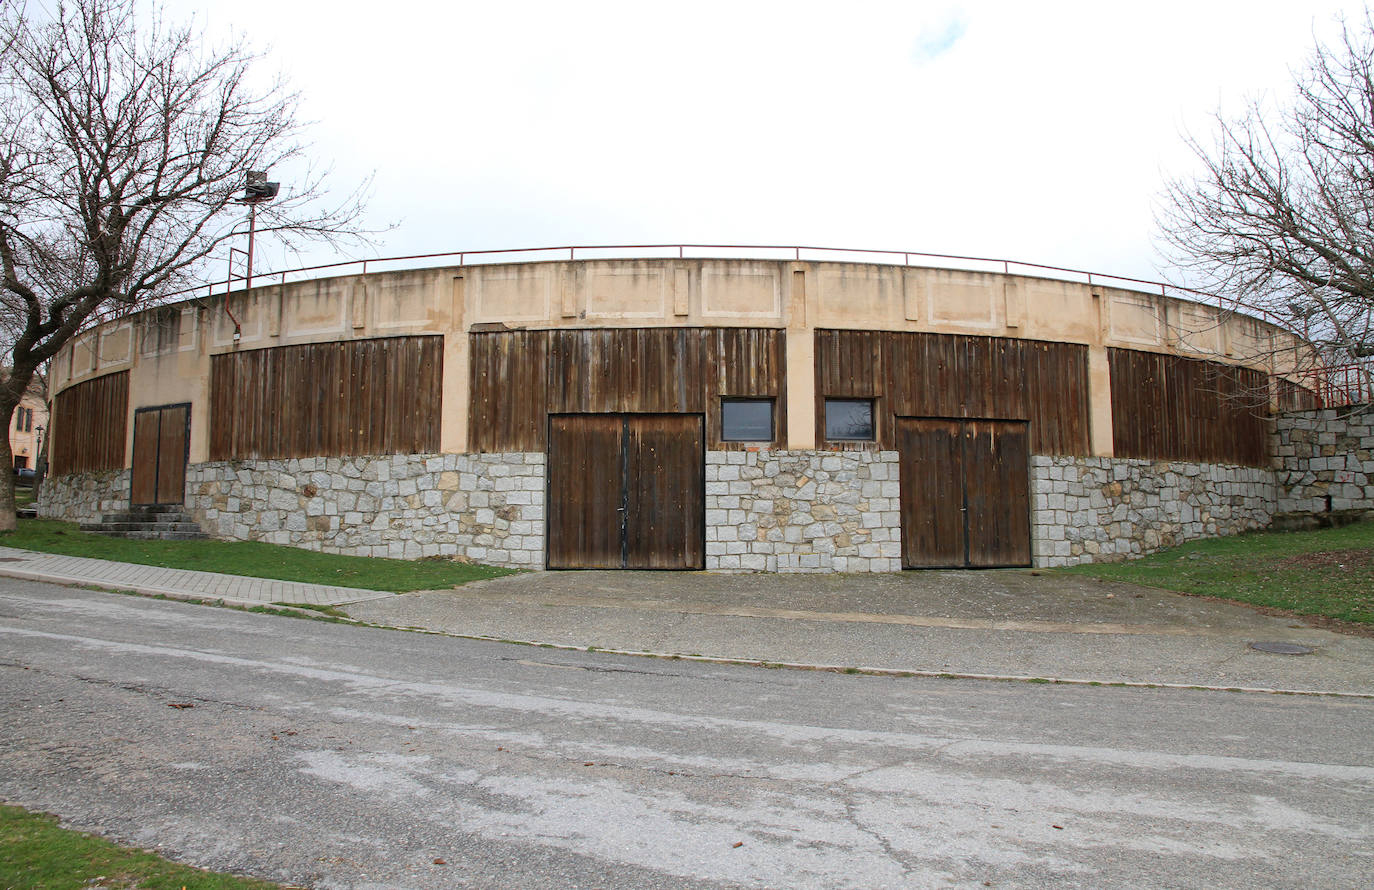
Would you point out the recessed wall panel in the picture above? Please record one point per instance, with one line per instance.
(963, 299)
(855, 296)
(633, 292)
(515, 293)
(731, 292)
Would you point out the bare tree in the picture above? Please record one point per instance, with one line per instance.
(124, 145)
(1281, 215)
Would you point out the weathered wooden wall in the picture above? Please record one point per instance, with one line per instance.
(520, 377)
(90, 421)
(1172, 408)
(1294, 396)
(955, 376)
(379, 396)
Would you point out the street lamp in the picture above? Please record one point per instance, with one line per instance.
(40, 463)
(256, 190)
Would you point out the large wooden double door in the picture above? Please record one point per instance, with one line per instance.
(626, 491)
(965, 492)
(161, 438)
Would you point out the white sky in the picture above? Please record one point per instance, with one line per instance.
(1036, 131)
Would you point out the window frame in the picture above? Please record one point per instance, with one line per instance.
(772, 403)
(872, 403)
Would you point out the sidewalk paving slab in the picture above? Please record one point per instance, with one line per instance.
(236, 590)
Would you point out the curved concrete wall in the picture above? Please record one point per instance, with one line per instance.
(167, 349)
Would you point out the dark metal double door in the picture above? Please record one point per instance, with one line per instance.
(965, 492)
(161, 440)
(626, 491)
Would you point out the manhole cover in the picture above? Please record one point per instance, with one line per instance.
(1283, 648)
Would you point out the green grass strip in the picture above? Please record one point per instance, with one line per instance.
(35, 854)
(1327, 572)
(250, 558)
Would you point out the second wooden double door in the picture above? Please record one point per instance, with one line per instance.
(965, 492)
(626, 491)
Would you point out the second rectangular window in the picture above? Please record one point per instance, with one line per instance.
(849, 420)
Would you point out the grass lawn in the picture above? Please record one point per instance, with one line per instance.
(1328, 572)
(250, 558)
(35, 854)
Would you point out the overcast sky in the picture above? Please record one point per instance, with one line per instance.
(1034, 131)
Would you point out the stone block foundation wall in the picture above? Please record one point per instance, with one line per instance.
(1323, 454)
(84, 497)
(488, 508)
(803, 511)
(766, 510)
(1094, 509)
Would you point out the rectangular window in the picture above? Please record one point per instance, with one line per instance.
(746, 420)
(23, 420)
(849, 420)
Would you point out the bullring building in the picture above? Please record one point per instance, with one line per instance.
(679, 413)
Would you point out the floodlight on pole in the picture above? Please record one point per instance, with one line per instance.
(256, 190)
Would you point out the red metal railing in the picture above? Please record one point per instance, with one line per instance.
(1343, 384)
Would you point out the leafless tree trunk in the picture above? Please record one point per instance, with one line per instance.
(124, 146)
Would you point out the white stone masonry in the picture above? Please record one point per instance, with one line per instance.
(488, 508)
(802, 511)
(1093, 509)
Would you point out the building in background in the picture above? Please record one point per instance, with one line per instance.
(27, 428)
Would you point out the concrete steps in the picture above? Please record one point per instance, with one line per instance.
(155, 521)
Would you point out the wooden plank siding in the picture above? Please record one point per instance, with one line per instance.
(997, 492)
(957, 376)
(665, 484)
(380, 396)
(143, 467)
(586, 508)
(91, 420)
(1294, 396)
(1167, 407)
(521, 377)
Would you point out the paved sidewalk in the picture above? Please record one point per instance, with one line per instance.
(1007, 624)
(177, 583)
(1002, 624)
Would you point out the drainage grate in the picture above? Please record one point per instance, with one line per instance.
(1283, 648)
(14, 559)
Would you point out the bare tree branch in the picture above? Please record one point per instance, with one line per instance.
(124, 144)
(1281, 215)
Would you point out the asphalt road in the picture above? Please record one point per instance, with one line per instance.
(335, 756)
